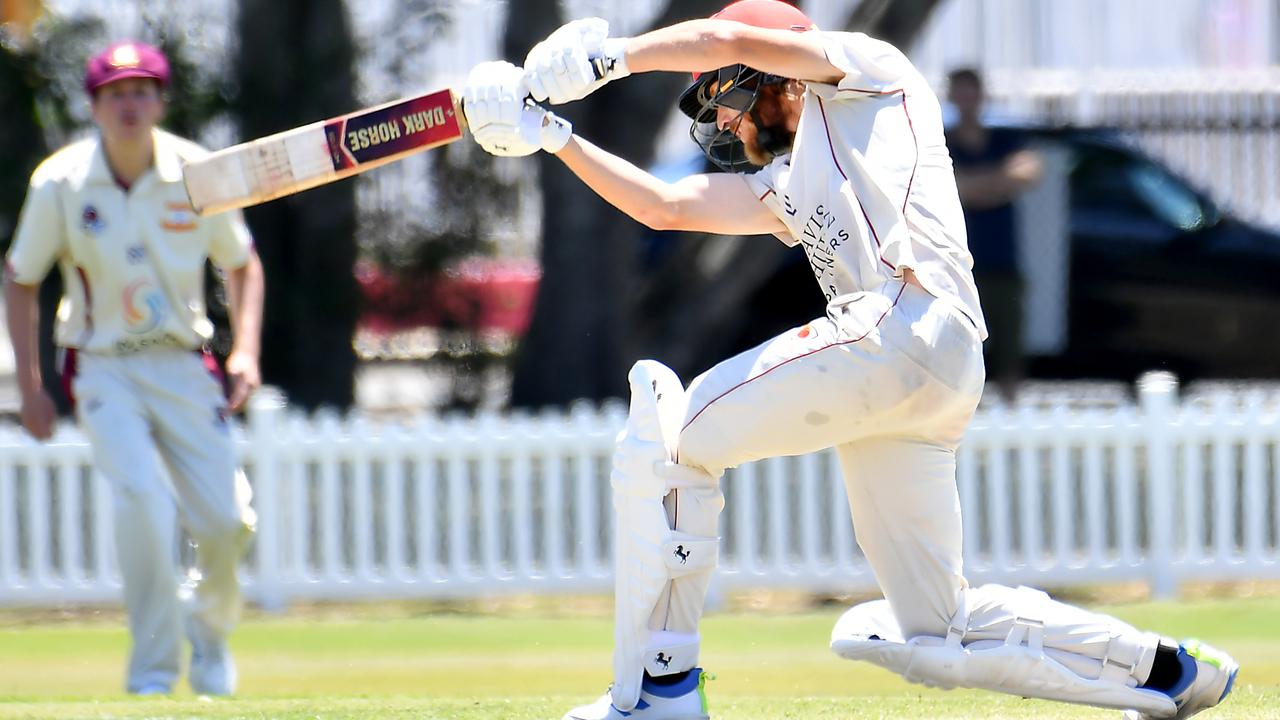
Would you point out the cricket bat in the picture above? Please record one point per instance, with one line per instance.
(322, 152)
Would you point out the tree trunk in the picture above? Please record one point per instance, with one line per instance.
(295, 65)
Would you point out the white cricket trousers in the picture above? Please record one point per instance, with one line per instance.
(890, 379)
(167, 402)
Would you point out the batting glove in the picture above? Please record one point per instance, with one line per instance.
(494, 93)
(536, 129)
(574, 61)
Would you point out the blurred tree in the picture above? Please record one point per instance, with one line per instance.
(22, 143)
(22, 147)
(295, 65)
(707, 297)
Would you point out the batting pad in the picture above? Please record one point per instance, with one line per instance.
(651, 555)
(1020, 665)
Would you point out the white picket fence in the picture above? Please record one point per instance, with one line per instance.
(1160, 491)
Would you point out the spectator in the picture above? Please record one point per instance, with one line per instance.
(993, 167)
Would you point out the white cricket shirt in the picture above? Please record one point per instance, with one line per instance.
(132, 261)
(868, 188)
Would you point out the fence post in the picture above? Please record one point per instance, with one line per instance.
(1157, 394)
(265, 411)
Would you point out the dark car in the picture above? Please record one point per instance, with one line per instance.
(1158, 277)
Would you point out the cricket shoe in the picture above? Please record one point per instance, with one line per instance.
(685, 700)
(151, 689)
(212, 670)
(1207, 677)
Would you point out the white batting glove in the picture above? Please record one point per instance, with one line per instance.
(574, 61)
(494, 93)
(536, 129)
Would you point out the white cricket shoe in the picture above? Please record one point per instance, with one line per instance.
(212, 670)
(151, 689)
(1207, 677)
(686, 700)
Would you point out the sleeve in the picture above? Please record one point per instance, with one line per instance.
(229, 241)
(870, 66)
(764, 183)
(40, 238)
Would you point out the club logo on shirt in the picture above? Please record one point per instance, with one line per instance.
(821, 235)
(144, 307)
(135, 254)
(178, 217)
(91, 221)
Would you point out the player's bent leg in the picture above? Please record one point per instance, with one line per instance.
(214, 498)
(211, 598)
(665, 552)
(1021, 642)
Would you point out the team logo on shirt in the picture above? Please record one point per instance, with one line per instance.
(144, 307)
(178, 217)
(91, 221)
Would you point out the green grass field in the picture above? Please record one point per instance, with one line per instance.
(388, 662)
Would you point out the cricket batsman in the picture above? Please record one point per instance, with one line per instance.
(832, 141)
(111, 212)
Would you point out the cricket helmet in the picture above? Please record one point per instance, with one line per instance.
(736, 86)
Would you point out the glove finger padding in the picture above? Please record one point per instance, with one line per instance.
(535, 129)
(494, 92)
(562, 68)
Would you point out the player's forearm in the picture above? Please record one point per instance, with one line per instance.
(704, 45)
(693, 46)
(621, 184)
(22, 312)
(245, 291)
(984, 189)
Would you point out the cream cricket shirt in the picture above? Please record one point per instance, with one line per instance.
(868, 188)
(132, 261)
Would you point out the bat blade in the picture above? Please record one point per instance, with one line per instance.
(295, 160)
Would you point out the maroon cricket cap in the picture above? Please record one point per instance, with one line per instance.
(125, 60)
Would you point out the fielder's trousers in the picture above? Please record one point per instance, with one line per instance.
(166, 402)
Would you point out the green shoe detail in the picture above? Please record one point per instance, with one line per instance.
(1206, 654)
(703, 677)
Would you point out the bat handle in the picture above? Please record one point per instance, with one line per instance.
(600, 66)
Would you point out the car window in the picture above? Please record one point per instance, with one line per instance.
(1106, 179)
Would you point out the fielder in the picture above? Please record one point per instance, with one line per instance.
(833, 141)
(111, 211)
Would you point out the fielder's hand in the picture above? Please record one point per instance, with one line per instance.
(38, 414)
(502, 121)
(574, 61)
(245, 377)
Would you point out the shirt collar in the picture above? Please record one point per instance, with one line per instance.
(165, 159)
